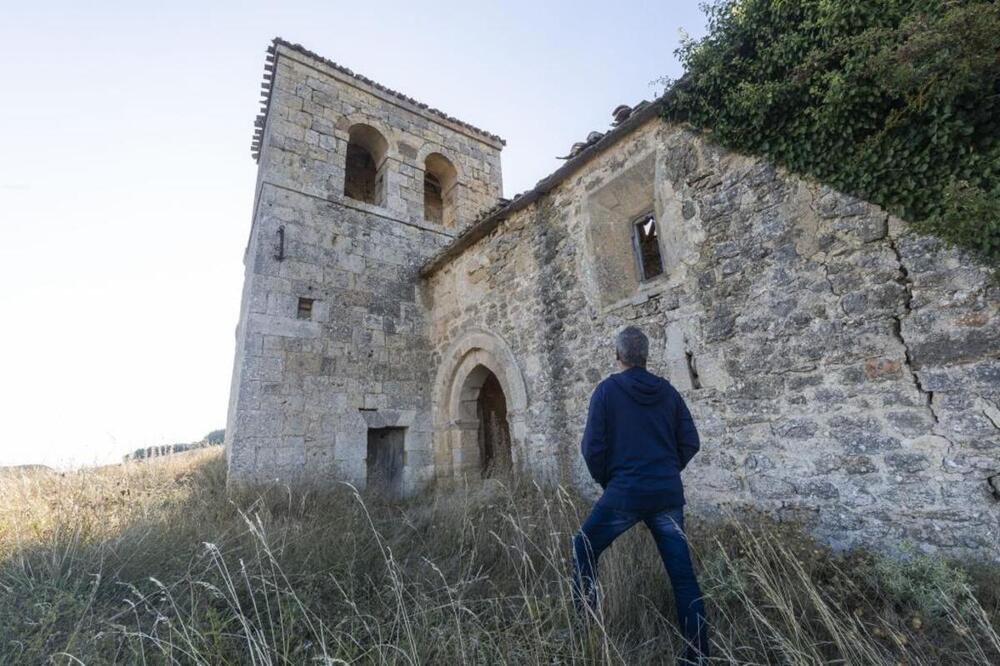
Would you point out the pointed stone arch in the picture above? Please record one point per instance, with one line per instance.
(465, 368)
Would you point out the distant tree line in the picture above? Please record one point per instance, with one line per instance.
(213, 438)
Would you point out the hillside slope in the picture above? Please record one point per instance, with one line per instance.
(151, 562)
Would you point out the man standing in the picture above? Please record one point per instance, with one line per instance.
(639, 437)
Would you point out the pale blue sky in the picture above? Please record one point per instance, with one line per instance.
(126, 181)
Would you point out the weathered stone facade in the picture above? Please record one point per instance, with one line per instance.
(842, 369)
(331, 340)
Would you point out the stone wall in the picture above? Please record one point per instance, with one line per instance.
(842, 370)
(331, 341)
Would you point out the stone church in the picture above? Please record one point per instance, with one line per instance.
(401, 322)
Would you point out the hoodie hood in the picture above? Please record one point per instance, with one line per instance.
(643, 387)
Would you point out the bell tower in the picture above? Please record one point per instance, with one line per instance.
(357, 187)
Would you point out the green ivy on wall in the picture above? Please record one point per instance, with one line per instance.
(896, 101)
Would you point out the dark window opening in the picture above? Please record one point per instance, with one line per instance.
(647, 247)
(494, 432)
(440, 190)
(385, 460)
(433, 202)
(359, 182)
(364, 165)
(305, 308)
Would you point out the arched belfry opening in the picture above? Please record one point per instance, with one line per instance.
(365, 165)
(486, 443)
(440, 181)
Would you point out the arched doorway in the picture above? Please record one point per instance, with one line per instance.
(480, 403)
(494, 431)
(484, 426)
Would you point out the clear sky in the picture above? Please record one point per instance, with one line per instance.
(126, 180)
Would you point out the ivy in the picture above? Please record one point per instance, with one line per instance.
(895, 101)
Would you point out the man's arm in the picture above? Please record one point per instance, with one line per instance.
(595, 443)
(685, 433)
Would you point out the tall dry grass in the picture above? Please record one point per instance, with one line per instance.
(152, 563)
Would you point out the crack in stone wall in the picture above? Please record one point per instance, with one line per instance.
(897, 329)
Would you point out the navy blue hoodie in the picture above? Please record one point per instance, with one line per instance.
(639, 437)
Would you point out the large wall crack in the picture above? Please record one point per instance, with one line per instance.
(903, 278)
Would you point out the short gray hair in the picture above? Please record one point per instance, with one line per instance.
(632, 347)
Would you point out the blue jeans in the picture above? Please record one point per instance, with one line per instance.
(604, 525)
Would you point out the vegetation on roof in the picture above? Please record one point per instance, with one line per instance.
(895, 101)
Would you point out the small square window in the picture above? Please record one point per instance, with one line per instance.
(647, 247)
(305, 308)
